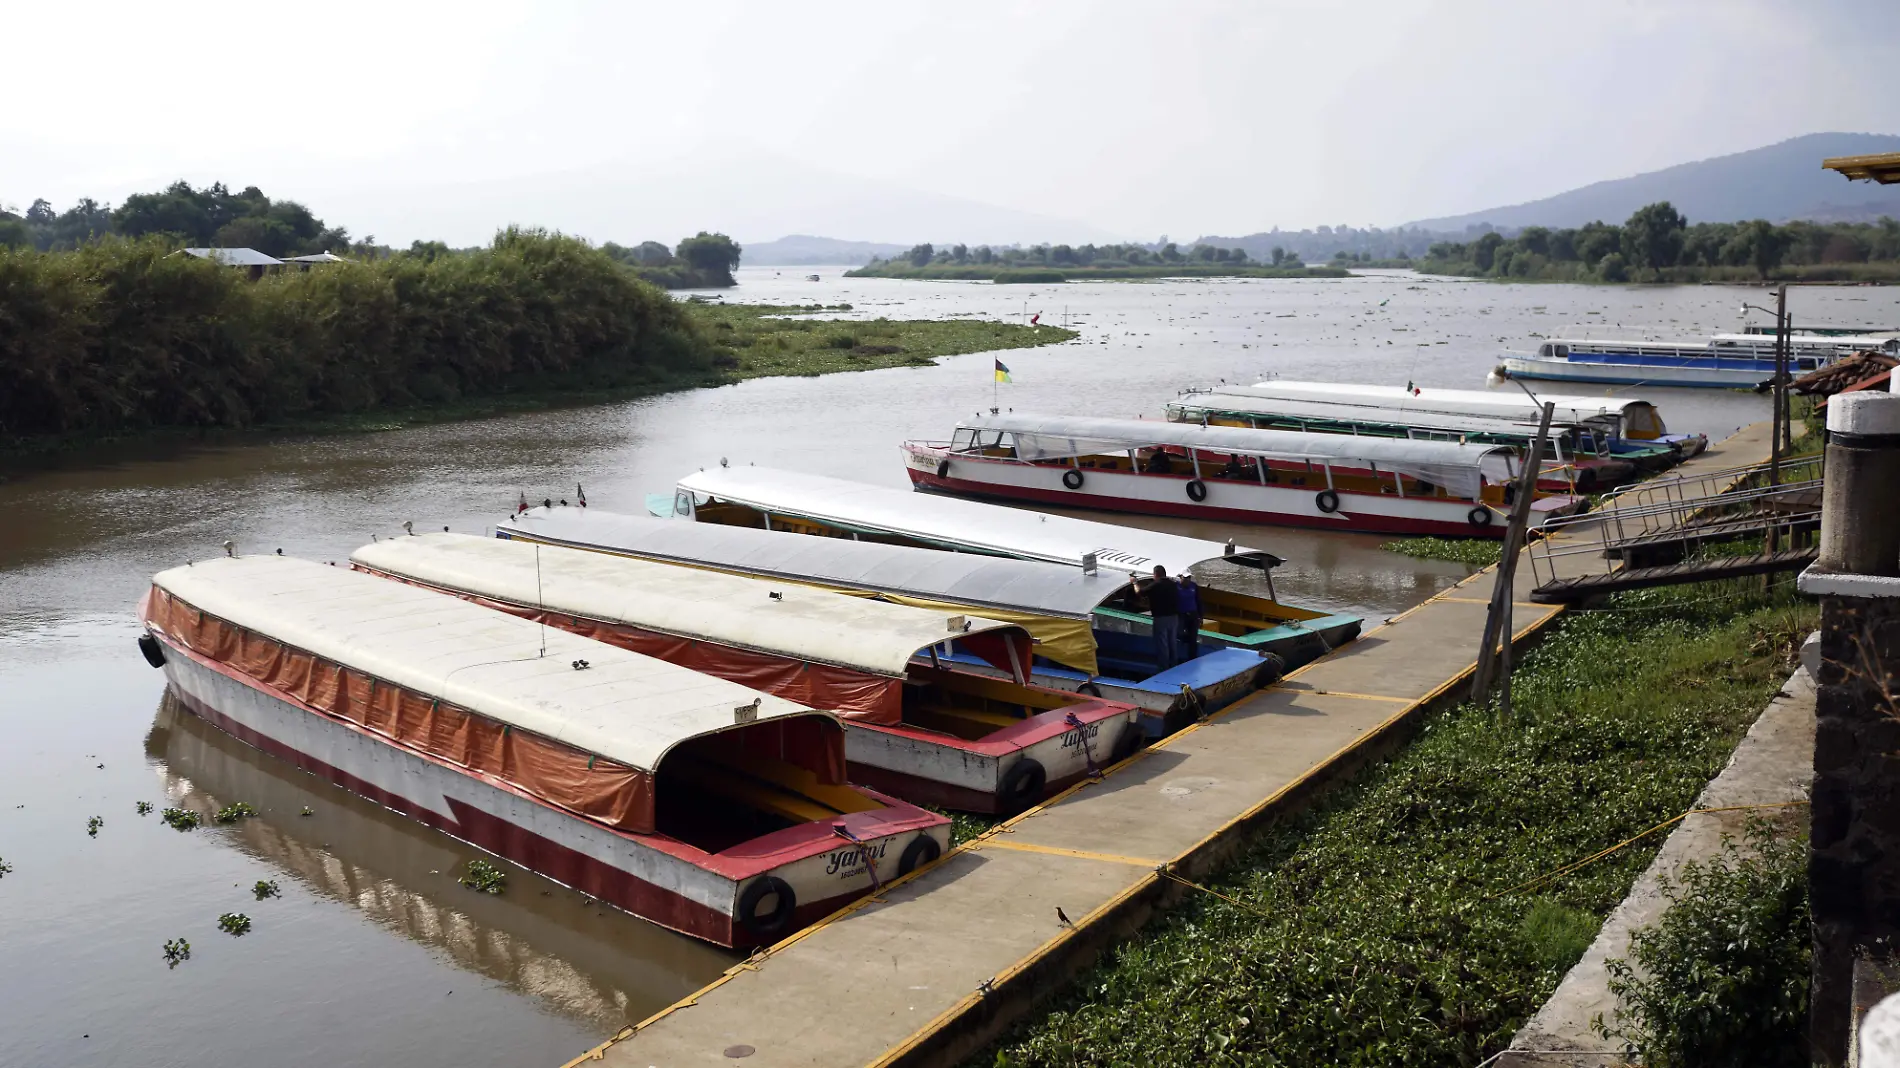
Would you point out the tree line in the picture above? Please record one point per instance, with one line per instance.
(123, 335)
(1656, 244)
(1086, 256)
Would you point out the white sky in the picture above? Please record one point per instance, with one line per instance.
(900, 121)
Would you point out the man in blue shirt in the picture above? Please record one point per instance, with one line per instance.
(1164, 604)
(1190, 604)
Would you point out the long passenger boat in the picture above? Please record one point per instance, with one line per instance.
(832, 507)
(1088, 631)
(1237, 474)
(1725, 361)
(1568, 448)
(1623, 427)
(694, 802)
(915, 725)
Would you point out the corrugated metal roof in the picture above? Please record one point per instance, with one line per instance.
(1192, 406)
(1883, 167)
(967, 526)
(1054, 590)
(801, 622)
(627, 707)
(235, 257)
(1571, 408)
(317, 257)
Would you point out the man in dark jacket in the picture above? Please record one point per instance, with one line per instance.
(1190, 603)
(1164, 604)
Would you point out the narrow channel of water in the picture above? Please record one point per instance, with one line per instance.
(373, 955)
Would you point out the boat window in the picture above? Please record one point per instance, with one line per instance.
(1563, 352)
(1544, 350)
(1805, 363)
(963, 440)
(683, 503)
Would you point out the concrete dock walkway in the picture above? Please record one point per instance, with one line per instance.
(935, 967)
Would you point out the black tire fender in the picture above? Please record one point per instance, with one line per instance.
(1128, 743)
(943, 468)
(1072, 478)
(1023, 783)
(922, 850)
(1271, 671)
(1326, 501)
(1089, 689)
(154, 652)
(1196, 490)
(773, 925)
(1480, 516)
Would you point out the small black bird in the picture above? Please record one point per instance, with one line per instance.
(1063, 917)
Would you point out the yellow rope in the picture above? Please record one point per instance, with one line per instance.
(1164, 873)
(1594, 857)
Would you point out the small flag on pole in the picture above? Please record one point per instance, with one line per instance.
(1002, 372)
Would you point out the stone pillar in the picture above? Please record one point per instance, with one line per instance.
(1854, 858)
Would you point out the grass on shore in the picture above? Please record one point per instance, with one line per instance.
(1478, 552)
(1381, 925)
(765, 340)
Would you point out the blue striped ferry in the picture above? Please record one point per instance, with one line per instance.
(1725, 361)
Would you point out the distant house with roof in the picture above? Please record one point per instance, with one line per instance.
(257, 262)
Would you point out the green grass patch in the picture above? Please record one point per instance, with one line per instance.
(1478, 552)
(762, 340)
(1380, 927)
(1723, 978)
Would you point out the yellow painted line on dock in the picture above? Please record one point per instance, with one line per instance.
(1487, 600)
(1059, 851)
(1341, 693)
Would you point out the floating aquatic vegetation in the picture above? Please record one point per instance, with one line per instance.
(93, 825)
(4, 867)
(265, 888)
(234, 923)
(306, 811)
(145, 808)
(177, 951)
(483, 876)
(234, 812)
(182, 819)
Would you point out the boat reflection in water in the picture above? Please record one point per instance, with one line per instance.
(575, 957)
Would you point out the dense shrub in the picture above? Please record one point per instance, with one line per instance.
(122, 336)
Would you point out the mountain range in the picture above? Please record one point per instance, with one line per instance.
(1778, 182)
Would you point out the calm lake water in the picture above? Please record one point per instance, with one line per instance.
(373, 955)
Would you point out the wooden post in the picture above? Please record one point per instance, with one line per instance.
(1777, 425)
(1497, 620)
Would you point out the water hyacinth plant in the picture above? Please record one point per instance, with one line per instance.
(181, 819)
(177, 951)
(145, 808)
(483, 876)
(234, 812)
(234, 923)
(264, 888)
(93, 825)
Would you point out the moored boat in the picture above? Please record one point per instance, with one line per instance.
(1088, 634)
(1236, 474)
(836, 508)
(1623, 427)
(1725, 361)
(697, 803)
(917, 726)
(1569, 464)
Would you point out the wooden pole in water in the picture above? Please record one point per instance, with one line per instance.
(1494, 664)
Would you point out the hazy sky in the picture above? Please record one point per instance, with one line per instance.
(904, 121)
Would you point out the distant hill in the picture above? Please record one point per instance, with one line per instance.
(1779, 182)
(800, 249)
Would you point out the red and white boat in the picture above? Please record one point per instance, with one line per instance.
(916, 726)
(695, 802)
(1236, 474)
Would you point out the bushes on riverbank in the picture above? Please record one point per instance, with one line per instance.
(1001, 274)
(1380, 926)
(121, 337)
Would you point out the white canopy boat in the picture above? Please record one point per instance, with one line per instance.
(695, 802)
(1633, 428)
(1725, 361)
(916, 725)
(1238, 474)
(1088, 633)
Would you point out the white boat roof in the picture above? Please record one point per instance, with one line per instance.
(627, 707)
(1762, 342)
(1189, 404)
(1571, 408)
(1047, 437)
(801, 622)
(974, 579)
(969, 526)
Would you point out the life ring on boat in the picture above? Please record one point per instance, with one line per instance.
(922, 850)
(1480, 516)
(1089, 689)
(1072, 478)
(1326, 501)
(1196, 490)
(943, 468)
(154, 652)
(1022, 784)
(773, 924)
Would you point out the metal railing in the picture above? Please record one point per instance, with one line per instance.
(1681, 510)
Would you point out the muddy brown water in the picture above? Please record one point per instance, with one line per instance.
(372, 954)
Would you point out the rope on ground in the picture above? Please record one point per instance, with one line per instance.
(1550, 877)
(1166, 874)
